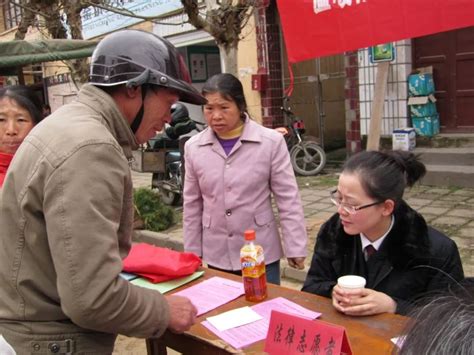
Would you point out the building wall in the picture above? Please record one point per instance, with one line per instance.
(309, 85)
(352, 107)
(247, 63)
(269, 63)
(395, 106)
(318, 97)
(61, 90)
(2, 22)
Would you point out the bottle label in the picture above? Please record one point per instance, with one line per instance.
(252, 267)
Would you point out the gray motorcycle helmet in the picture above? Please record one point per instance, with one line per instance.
(136, 58)
(179, 114)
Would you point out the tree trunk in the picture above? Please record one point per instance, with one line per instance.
(229, 59)
(79, 69)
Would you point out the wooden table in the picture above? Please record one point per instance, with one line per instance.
(370, 334)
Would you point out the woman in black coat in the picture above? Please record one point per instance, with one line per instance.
(408, 258)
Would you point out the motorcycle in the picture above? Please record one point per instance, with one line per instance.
(170, 181)
(306, 155)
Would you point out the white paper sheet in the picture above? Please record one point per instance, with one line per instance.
(234, 318)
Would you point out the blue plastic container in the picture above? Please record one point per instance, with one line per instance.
(426, 126)
(420, 85)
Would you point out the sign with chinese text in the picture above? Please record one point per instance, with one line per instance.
(316, 28)
(97, 21)
(289, 334)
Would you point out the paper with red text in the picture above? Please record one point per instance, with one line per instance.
(248, 334)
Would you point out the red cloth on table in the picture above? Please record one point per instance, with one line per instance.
(159, 264)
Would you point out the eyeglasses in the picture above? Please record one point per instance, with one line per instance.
(336, 199)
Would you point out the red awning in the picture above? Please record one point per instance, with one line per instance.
(316, 28)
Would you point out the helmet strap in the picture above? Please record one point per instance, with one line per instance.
(142, 81)
(139, 117)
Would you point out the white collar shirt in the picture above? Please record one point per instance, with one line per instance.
(365, 241)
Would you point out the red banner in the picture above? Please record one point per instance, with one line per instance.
(316, 28)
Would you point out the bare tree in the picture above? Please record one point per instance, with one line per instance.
(224, 22)
(51, 18)
(222, 19)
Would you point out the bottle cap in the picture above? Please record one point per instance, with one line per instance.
(249, 234)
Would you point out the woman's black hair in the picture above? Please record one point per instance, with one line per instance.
(26, 98)
(385, 175)
(229, 87)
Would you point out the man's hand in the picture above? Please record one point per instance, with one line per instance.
(362, 301)
(182, 313)
(296, 263)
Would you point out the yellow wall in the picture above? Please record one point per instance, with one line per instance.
(248, 65)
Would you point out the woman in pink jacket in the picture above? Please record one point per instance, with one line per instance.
(232, 170)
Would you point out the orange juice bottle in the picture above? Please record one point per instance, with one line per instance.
(253, 269)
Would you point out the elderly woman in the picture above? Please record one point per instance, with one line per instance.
(20, 111)
(232, 169)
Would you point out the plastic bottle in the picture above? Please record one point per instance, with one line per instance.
(253, 269)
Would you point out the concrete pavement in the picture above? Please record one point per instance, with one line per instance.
(447, 209)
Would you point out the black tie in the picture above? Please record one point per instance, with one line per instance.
(369, 251)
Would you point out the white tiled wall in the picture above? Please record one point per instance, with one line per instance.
(395, 113)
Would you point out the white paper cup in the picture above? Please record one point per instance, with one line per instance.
(351, 282)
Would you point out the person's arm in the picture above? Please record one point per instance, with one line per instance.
(83, 205)
(442, 269)
(285, 191)
(192, 207)
(446, 267)
(321, 276)
(403, 306)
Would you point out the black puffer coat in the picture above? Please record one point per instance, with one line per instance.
(412, 261)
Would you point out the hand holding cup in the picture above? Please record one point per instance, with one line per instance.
(348, 287)
(351, 297)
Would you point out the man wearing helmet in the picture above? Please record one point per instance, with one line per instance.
(66, 208)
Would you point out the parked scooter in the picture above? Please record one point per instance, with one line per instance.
(306, 155)
(170, 181)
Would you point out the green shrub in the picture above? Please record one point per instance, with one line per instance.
(155, 215)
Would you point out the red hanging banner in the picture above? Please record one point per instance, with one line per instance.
(316, 28)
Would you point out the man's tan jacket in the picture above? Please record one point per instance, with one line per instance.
(66, 211)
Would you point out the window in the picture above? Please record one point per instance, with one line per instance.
(11, 14)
